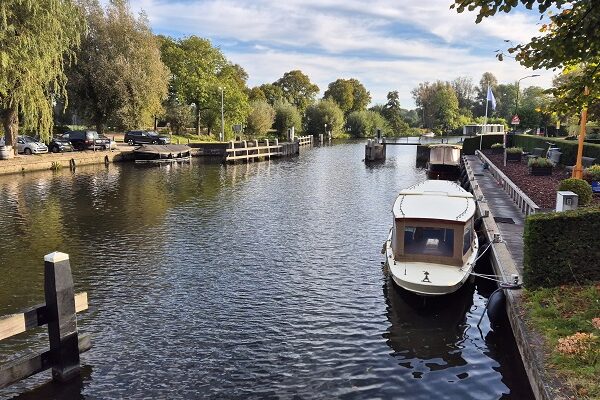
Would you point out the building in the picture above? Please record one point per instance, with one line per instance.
(478, 129)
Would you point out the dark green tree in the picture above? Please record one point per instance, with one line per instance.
(324, 116)
(297, 89)
(349, 94)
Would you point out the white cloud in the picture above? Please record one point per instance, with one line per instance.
(386, 45)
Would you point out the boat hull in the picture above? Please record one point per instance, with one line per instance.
(427, 279)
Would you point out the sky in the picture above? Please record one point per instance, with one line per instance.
(385, 44)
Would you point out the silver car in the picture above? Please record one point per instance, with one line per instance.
(28, 145)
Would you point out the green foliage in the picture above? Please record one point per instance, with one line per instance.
(37, 42)
(561, 312)
(178, 116)
(539, 162)
(297, 89)
(497, 146)
(272, 93)
(568, 148)
(592, 173)
(261, 117)
(570, 38)
(471, 144)
(513, 150)
(365, 124)
(324, 112)
(119, 78)
(256, 93)
(439, 105)
(349, 94)
(580, 187)
(393, 113)
(286, 116)
(561, 248)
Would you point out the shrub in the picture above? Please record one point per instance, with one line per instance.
(579, 187)
(561, 248)
(539, 162)
(496, 146)
(592, 173)
(471, 144)
(514, 150)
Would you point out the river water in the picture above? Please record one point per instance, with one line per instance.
(246, 281)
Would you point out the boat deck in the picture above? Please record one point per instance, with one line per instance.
(508, 217)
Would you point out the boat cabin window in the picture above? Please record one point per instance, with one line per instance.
(429, 241)
(467, 239)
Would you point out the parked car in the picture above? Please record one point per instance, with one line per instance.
(60, 144)
(28, 145)
(82, 140)
(145, 137)
(112, 145)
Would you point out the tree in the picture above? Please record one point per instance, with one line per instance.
(119, 78)
(393, 114)
(438, 104)
(179, 116)
(272, 93)
(487, 80)
(37, 41)
(570, 38)
(349, 94)
(322, 117)
(464, 89)
(286, 116)
(261, 117)
(297, 89)
(256, 93)
(365, 124)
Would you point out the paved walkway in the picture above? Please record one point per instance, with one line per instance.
(503, 209)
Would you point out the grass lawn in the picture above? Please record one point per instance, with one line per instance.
(568, 317)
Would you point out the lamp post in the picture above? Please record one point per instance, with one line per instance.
(222, 137)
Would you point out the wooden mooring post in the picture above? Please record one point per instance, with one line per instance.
(59, 313)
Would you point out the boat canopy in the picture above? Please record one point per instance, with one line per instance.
(445, 154)
(435, 200)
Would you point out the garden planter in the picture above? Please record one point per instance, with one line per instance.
(540, 171)
(513, 157)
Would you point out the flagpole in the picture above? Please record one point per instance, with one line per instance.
(487, 101)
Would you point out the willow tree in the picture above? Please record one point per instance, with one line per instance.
(37, 39)
(119, 78)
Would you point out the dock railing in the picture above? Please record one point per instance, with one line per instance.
(305, 140)
(525, 204)
(253, 150)
(59, 313)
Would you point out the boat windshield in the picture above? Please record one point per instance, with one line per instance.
(429, 241)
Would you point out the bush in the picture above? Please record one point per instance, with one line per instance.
(592, 173)
(539, 162)
(471, 144)
(579, 187)
(561, 248)
(514, 150)
(568, 148)
(496, 146)
(286, 116)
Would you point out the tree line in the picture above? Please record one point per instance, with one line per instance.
(104, 64)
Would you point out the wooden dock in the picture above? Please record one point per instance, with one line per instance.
(503, 208)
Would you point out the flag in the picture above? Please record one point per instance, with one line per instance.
(490, 97)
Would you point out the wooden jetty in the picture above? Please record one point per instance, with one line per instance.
(59, 313)
(258, 151)
(503, 208)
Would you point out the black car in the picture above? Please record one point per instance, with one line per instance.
(82, 140)
(144, 137)
(59, 144)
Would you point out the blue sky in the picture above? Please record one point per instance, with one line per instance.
(387, 45)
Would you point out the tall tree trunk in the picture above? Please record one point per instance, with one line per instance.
(197, 119)
(10, 122)
(99, 126)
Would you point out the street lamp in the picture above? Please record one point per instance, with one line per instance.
(517, 98)
(222, 116)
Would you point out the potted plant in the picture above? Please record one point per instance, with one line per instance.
(592, 175)
(497, 148)
(539, 166)
(514, 154)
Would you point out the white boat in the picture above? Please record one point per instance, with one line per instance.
(444, 161)
(432, 246)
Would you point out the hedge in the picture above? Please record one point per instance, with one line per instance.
(471, 144)
(561, 248)
(568, 148)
